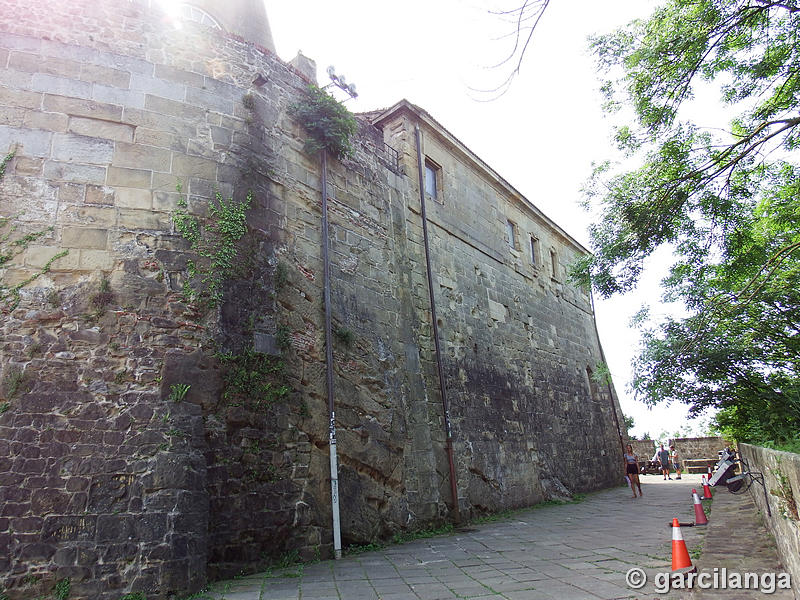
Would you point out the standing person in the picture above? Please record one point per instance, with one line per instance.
(676, 461)
(663, 458)
(631, 462)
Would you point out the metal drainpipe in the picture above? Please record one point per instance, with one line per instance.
(445, 408)
(608, 384)
(326, 287)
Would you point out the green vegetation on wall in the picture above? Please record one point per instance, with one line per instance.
(12, 244)
(253, 379)
(329, 124)
(214, 239)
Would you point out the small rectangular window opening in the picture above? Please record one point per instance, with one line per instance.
(534, 251)
(431, 179)
(511, 234)
(554, 263)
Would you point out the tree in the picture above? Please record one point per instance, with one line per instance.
(523, 20)
(726, 204)
(627, 422)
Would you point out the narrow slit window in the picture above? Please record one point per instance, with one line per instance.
(554, 263)
(534, 251)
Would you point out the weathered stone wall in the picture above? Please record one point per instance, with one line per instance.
(104, 477)
(698, 448)
(644, 449)
(781, 472)
(519, 343)
(104, 480)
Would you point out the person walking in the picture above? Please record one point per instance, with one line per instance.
(663, 458)
(631, 462)
(676, 461)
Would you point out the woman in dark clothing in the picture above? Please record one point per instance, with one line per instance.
(631, 462)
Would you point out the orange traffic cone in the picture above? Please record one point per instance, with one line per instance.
(680, 554)
(699, 514)
(706, 490)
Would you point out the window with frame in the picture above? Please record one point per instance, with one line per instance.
(535, 252)
(433, 179)
(554, 263)
(198, 15)
(511, 234)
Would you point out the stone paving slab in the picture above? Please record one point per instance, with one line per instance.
(578, 551)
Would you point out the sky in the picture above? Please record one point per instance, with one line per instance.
(542, 135)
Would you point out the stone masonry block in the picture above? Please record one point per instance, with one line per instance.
(209, 100)
(62, 86)
(19, 42)
(134, 198)
(15, 79)
(13, 117)
(158, 87)
(179, 76)
(34, 63)
(82, 108)
(77, 173)
(55, 122)
(143, 219)
(166, 201)
(112, 95)
(70, 147)
(138, 178)
(27, 142)
(101, 129)
(20, 98)
(84, 237)
(152, 137)
(166, 182)
(141, 157)
(123, 63)
(38, 256)
(165, 106)
(71, 193)
(222, 89)
(99, 216)
(28, 166)
(193, 166)
(105, 76)
(96, 260)
(96, 194)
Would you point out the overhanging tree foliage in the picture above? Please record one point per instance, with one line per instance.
(727, 204)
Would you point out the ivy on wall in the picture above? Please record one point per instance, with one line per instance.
(214, 240)
(14, 243)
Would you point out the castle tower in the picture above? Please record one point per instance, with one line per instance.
(245, 18)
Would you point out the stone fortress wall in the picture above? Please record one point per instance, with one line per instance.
(116, 117)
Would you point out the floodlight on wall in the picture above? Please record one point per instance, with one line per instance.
(340, 82)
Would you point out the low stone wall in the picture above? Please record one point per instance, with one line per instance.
(699, 447)
(644, 449)
(782, 480)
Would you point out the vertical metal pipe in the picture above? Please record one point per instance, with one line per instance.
(442, 387)
(326, 290)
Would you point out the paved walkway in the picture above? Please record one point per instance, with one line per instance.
(738, 542)
(570, 552)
